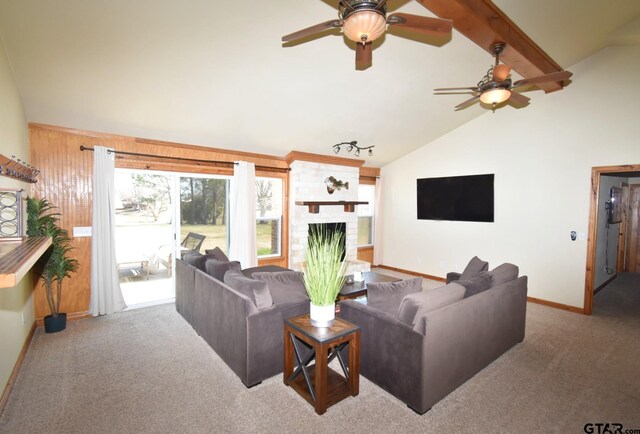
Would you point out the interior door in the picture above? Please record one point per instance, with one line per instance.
(632, 263)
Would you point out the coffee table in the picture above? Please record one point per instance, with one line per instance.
(358, 289)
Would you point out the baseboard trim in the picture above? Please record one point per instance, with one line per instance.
(413, 273)
(555, 305)
(16, 368)
(601, 287)
(70, 317)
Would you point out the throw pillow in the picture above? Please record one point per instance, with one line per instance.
(503, 273)
(195, 259)
(285, 286)
(476, 284)
(387, 296)
(473, 268)
(256, 290)
(218, 254)
(413, 306)
(217, 269)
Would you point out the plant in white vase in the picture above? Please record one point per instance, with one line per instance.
(324, 273)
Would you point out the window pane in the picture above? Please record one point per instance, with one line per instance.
(365, 231)
(366, 193)
(203, 210)
(268, 237)
(268, 215)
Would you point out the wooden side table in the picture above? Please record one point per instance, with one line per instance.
(320, 385)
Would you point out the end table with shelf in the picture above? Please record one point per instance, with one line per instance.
(320, 385)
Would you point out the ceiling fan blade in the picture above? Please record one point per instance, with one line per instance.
(519, 99)
(468, 102)
(444, 89)
(312, 30)
(416, 23)
(554, 76)
(501, 72)
(364, 56)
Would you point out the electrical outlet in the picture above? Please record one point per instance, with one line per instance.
(582, 236)
(23, 318)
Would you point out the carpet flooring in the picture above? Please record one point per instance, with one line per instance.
(147, 371)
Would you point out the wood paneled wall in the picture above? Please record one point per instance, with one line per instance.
(65, 180)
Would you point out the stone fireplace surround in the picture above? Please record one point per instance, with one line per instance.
(307, 184)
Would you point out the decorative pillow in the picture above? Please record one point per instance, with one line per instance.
(473, 268)
(413, 306)
(256, 290)
(195, 259)
(217, 269)
(387, 296)
(503, 273)
(476, 284)
(218, 254)
(285, 286)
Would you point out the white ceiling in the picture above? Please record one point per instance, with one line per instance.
(215, 73)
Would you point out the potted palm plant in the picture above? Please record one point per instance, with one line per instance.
(54, 266)
(324, 274)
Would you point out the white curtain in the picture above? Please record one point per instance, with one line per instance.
(377, 225)
(106, 296)
(242, 233)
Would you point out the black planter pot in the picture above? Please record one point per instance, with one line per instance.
(54, 324)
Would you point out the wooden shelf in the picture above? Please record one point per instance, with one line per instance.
(17, 258)
(314, 206)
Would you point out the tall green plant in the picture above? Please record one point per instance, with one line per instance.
(56, 265)
(324, 269)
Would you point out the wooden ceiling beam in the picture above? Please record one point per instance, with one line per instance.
(485, 24)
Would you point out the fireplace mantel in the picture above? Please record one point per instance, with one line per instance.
(314, 206)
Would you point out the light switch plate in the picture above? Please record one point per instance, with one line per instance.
(82, 231)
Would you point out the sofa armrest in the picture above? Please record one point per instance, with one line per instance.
(453, 276)
(265, 346)
(464, 337)
(390, 351)
(220, 317)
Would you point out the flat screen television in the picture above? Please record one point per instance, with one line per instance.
(456, 198)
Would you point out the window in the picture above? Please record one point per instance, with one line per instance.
(269, 216)
(366, 193)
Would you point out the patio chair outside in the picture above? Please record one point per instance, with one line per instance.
(192, 242)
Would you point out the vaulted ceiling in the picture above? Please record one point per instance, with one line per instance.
(215, 73)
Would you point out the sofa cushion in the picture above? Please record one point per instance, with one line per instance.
(503, 273)
(218, 254)
(387, 296)
(413, 306)
(217, 269)
(473, 268)
(285, 286)
(256, 290)
(476, 284)
(262, 268)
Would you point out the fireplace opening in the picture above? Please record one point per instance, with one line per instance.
(330, 228)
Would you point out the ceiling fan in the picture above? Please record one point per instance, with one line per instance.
(496, 86)
(364, 21)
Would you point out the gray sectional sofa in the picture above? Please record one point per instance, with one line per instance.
(421, 355)
(243, 325)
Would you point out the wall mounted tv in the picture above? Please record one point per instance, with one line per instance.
(457, 198)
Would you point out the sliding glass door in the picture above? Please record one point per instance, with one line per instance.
(144, 235)
(204, 210)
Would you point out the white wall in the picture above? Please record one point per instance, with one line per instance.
(15, 302)
(542, 157)
(602, 246)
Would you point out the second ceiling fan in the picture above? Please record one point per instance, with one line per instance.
(364, 21)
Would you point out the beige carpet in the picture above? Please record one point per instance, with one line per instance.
(147, 371)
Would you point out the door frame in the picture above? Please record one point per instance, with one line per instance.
(596, 172)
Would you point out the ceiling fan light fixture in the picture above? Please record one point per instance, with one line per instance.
(495, 96)
(364, 26)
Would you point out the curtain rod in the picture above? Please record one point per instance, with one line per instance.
(192, 160)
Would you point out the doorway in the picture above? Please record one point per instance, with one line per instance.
(614, 237)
